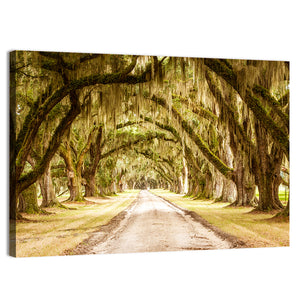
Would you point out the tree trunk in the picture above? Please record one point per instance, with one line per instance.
(90, 187)
(28, 201)
(208, 188)
(229, 191)
(245, 183)
(286, 211)
(75, 187)
(32, 176)
(47, 189)
(192, 186)
(268, 192)
(267, 167)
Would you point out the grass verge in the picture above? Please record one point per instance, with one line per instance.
(53, 234)
(254, 229)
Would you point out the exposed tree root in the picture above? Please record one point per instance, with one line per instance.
(79, 202)
(44, 212)
(221, 200)
(283, 215)
(234, 204)
(59, 205)
(20, 218)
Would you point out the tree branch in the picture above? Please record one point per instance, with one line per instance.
(226, 72)
(213, 159)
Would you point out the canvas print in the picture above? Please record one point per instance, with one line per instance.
(141, 153)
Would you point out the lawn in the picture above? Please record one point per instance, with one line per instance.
(255, 229)
(47, 235)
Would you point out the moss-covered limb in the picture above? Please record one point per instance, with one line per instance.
(285, 99)
(59, 63)
(164, 175)
(33, 124)
(105, 79)
(223, 69)
(162, 60)
(150, 136)
(188, 151)
(50, 54)
(120, 126)
(53, 66)
(156, 158)
(32, 115)
(59, 173)
(252, 102)
(30, 129)
(197, 109)
(273, 103)
(163, 126)
(190, 158)
(226, 109)
(129, 123)
(276, 132)
(131, 65)
(38, 113)
(202, 146)
(26, 180)
(24, 140)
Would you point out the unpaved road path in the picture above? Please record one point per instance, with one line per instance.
(153, 224)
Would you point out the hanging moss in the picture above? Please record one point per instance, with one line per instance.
(260, 113)
(221, 67)
(197, 109)
(120, 85)
(275, 105)
(254, 104)
(197, 140)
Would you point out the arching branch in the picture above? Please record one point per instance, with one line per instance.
(225, 71)
(202, 146)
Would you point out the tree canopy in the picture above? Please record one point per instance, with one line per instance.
(95, 124)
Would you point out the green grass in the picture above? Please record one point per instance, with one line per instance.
(255, 229)
(283, 196)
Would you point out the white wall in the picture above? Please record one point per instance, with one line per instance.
(228, 29)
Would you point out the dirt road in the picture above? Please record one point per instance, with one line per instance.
(153, 224)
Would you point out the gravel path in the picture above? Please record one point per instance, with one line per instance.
(153, 224)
